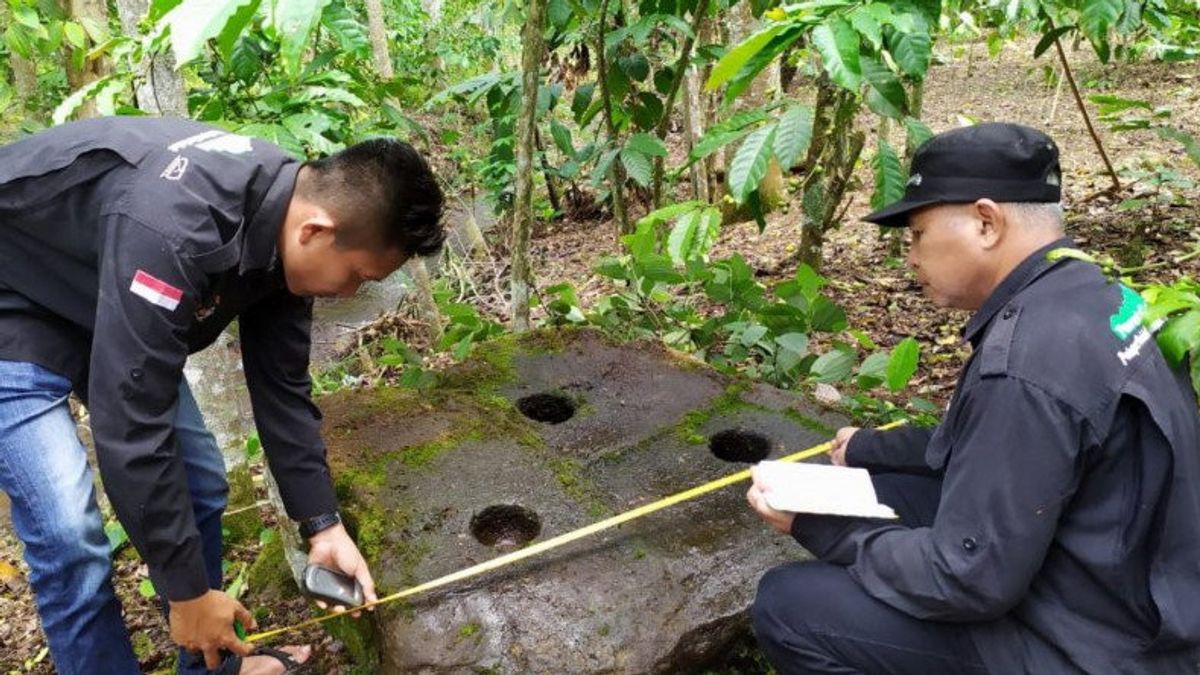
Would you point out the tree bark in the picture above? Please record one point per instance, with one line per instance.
(379, 46)
(531, 63)
(159, 89)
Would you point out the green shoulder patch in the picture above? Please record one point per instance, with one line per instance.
(1128, 317)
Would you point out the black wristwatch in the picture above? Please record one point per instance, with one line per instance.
(324, 521)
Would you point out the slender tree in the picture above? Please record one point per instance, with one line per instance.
(531, 60)
(159, 90)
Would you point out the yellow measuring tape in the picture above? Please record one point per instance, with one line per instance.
(542, 547)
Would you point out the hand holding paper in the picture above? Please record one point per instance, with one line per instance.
(819, 488)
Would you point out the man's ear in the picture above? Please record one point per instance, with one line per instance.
(993, 222)
(317, 224)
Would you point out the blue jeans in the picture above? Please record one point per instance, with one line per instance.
(44, 471)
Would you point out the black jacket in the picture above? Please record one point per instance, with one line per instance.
(127, 244)
(1068, 530)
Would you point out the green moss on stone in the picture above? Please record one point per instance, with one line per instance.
(470, 630)
(361, 639)
(242, 521)
(269, 576)
(569, 474)
(809, 423)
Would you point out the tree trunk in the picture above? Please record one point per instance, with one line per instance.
(692, 127)
(616, 172)
(531, 63)
(427, 307)
(379, 46)
(159, 89)
(93, 69)
(551, 189)
(664, 125)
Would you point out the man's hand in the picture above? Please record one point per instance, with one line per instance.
(779, 520)
(837, 454)
(205, 624)
(333, 548)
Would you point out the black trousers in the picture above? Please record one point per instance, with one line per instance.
(812, 617)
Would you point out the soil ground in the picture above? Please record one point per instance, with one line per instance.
(877, 293)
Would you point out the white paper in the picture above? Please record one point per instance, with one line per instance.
(821, 488)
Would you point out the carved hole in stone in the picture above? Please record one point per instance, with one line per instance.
(548, 408)
(739, 445)
(505, 526)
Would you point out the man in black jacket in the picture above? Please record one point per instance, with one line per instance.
(125, 245)
(1051, 522)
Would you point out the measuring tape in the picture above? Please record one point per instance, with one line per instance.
(549, 544)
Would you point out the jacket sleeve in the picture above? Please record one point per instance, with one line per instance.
(901, 450)
(147, 295)
(275, 350)
(1015, 462)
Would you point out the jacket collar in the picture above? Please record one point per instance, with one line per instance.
(262, 232)
(1022, 275)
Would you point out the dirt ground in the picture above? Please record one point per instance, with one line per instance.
(877, 293)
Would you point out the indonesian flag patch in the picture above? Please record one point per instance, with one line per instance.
(156, 290)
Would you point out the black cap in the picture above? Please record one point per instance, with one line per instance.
(1002, 162)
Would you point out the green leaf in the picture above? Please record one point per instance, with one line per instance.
(559, 12)
(902, 364)
(837, 43)
(582, 99)
(874, 369)
(228, 39)
(911, 52)
(726, 132)
(1190, 145)
(1048, 39)
(116, 535)
(344, 25)
(93, 90)
(890, 176)
(294, 21)
(562, 138)
(916, 133)
(868, 26)
(792, 348)
(195, 23)
(335, 94)
(647, 110)
(637, 165)
(18, 41)
(679, 243)
(793, 135)
(669, 212)
(693, 235)
(1097, 16)
(750, 163)
(635, 66)
(763, 58)
(27, 16)
(827, 316)
(146, 589)
(646, 145)
(1179, 336)
(75, 34)
(832, 366)
(732, 62)
(885, 94)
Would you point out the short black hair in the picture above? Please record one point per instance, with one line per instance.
(383, 194)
